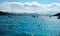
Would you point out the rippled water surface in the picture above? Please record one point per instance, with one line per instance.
(29, 26)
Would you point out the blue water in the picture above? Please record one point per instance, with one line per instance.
(40, 26)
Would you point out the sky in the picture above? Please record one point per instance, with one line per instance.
(40, 1)
(30, 6)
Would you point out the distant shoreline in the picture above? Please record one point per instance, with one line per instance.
(22, 14)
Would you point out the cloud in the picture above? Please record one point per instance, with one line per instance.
(30, 7)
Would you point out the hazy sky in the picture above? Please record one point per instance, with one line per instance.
(30, 6)
(40, 1)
